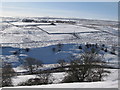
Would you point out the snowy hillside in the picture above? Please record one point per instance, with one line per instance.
(31, 34)
(52, 39)
(42, 38)
(51, 54)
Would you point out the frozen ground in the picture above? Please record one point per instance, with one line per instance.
(48, 56)
(41, 38)
(109, 82)
(55, 77)
(66, 28)
(25, 35)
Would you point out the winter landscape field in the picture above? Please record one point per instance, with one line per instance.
(56, 42)
(59, 45)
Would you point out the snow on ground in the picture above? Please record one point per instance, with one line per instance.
(113, 76)
(60, 33)
(55, 77)
(100, 38)
(58, 77)
(49, 56)
(110, 82)
(19, 79)
(45, 66)
(23, 35)
(66, 28)
(41, 41)
(20, 69)
(29, 23)
(109, 29)
(111, 58)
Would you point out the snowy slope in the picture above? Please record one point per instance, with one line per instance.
(42, 39)
(48, 56)
(32, 36)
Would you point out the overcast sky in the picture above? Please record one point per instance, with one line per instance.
(92, 10)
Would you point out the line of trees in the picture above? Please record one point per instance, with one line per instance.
(88, 72)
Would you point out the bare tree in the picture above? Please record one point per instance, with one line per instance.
(86, 68)
(7, 73)
(32, 64)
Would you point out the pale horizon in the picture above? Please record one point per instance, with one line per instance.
(82, 10)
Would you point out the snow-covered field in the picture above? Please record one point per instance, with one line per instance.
(41, 38)
(48, 56)
(109, 82)
(44, 35)
(66, 28)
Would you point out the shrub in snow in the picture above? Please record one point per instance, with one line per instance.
(27, 49)
(102, 48)
(15, 53)
(96, 45)
(59, 45)
(54, 49)
(93, 50)
(62, 63)
(113, 50)
(103, 45)
(80, 47)
(105, 50)
(52, 24)
(87, 45)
